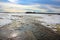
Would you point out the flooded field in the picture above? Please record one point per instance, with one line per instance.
(29, 27)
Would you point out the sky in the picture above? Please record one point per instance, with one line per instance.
(30, 5)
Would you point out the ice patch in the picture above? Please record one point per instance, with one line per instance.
(4, 21)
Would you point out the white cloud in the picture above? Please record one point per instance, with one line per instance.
(13, 1)
(9, 7)
(55, 9)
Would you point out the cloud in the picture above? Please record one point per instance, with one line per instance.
(9, 7)
(13, 1)
(55, 9)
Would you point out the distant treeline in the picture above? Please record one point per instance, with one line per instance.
(31, 12)
(40, 13)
